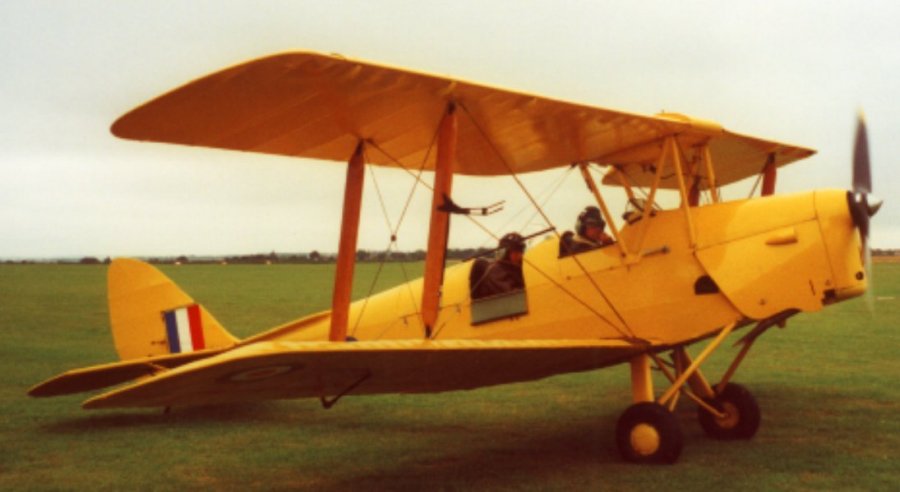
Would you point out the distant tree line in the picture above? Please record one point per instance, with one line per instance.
(362, 256)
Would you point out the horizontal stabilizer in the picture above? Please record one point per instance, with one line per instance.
(102, 376)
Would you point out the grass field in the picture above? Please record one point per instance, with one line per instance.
(827, 386)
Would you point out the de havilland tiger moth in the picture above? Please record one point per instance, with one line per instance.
(667, 278)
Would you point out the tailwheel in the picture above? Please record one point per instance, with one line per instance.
(649, 433)
(740, 414)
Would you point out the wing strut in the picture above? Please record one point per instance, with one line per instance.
(346, 260)
(592, 186)
(439, 227)
(770, 173)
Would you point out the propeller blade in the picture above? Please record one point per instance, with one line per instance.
(862, 177)
(870, 289)
(862, 204)
(873, 204)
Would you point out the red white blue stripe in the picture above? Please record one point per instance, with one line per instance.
(184, 329)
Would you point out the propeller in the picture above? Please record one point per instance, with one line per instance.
(863, 204)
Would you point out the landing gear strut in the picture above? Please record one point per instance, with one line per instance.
(648, 432)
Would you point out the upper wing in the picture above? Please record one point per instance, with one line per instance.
(318, 106)
(277, 370)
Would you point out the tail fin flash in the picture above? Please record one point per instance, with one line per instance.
(152, 316)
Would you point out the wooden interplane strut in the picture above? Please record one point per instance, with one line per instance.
(440, 221)
(770, 174)
(346, 260)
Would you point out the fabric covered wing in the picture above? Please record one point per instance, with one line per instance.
(319, 106)
(734, 156)
(279, 370)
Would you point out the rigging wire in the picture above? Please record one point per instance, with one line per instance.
(393, 230)
(540, 210)
(419, 179)
(545, 195)
(645, 194)
(755, 185)
(384, 211)
(550, 195)
(506, 164)
(456, 312)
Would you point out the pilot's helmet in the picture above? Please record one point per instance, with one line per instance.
(511, 242)
(590, 216)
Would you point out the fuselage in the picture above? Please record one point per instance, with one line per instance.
(689, 273)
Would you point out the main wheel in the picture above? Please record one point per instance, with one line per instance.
(649, 433)
(742, 416)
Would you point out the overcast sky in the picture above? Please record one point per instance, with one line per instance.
(793, 71)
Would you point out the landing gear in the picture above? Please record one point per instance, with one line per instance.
(740, 414)
(649, 433)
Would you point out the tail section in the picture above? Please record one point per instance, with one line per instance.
(151, 316)
(155, 326)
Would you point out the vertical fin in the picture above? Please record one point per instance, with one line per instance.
(151, 316)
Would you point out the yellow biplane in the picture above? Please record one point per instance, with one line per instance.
(669, 278)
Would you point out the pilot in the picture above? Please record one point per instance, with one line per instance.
(589, 233)
(504, 274)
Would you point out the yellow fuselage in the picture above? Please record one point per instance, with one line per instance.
(742, 260)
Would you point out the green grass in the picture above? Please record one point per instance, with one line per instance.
(827, 386)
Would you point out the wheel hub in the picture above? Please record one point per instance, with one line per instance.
(645, 439)
(730, 416)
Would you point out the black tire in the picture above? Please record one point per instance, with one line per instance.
(742, 417)
(649, 433)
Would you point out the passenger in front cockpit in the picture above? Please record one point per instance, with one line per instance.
(589, 233)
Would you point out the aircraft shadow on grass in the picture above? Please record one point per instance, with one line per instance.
(238, 413)
(454, 460)
(523, 449)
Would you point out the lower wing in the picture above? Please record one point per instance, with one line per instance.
(280, 370)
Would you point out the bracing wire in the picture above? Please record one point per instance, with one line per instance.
(547, 220)
(544, 196)
(538, 210)
(378, 193)
(552, 192)
(755, 185)
(429, 187)
(394, 230)
(512, 173)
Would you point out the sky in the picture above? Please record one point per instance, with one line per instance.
(791, 71)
